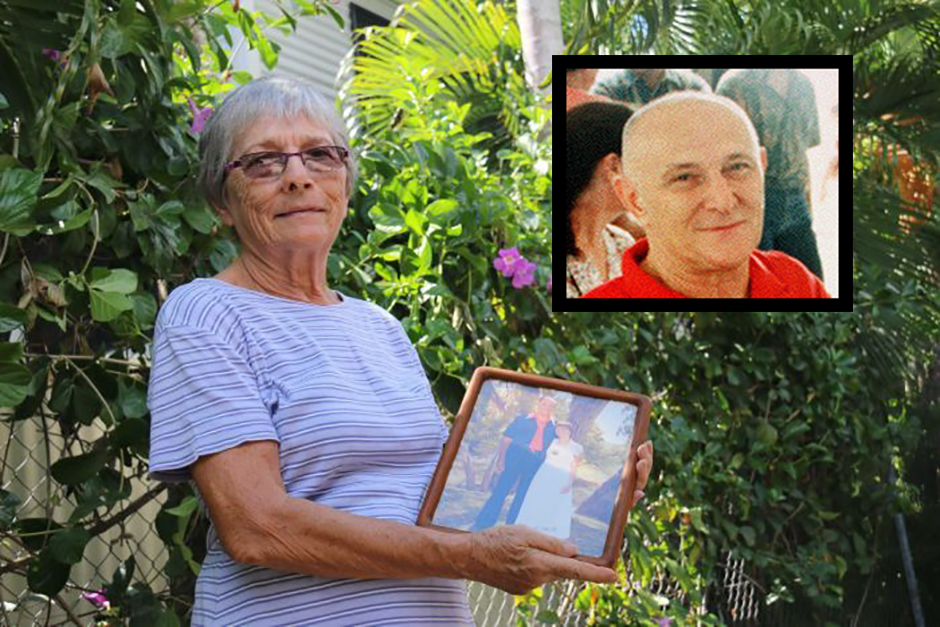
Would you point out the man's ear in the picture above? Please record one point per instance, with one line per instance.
(763, 157)
(627, 193)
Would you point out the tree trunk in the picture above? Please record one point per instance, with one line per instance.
(540, 28)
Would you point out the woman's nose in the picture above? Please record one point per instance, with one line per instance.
(296, 173)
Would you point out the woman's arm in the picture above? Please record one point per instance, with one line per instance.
(258, 523)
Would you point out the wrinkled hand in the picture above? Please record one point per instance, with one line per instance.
(517, 559)
(644, 466)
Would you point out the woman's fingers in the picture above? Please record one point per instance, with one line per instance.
(549, 544)
(517, 559)
(645, 464)
(565, 568)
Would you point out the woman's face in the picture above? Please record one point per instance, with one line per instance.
(264, 211)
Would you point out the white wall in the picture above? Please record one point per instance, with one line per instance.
(315, 51)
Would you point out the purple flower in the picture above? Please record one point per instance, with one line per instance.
(98, 599)
(506, 262)
(200, 116)
(52, 53)
(549, 286)
(512, 264)
(664, 622)
(524, 274)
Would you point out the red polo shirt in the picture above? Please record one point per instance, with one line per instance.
(773, 275)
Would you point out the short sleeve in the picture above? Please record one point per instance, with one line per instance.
(811, 115)
(577, 449)
(514, 428)
(204, 398)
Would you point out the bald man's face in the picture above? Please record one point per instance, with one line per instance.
(696, 182)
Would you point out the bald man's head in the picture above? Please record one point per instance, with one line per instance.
(694, 178)
(662, 123)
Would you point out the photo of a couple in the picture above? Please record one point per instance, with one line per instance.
(543, 458)
(539, 459)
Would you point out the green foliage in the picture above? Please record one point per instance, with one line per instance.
(99, 218)
(771, 445)
(771, 442)
(438, 50)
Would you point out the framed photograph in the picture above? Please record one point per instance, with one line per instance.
(551, 454)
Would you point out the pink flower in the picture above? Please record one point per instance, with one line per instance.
(524, 274)
(512, 264)
(506, 262)
(98, 599)
(200, 116)
(549, 286)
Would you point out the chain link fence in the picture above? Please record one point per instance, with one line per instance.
(31, 446)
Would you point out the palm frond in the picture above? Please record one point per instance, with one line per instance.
(681, 25)
(438, 48)
(893, 18)
(604, 26)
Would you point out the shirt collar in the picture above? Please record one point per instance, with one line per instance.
(636, 280)
(763, 283)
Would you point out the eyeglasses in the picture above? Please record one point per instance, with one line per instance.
(269, 165)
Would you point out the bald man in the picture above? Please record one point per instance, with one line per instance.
(693, 176)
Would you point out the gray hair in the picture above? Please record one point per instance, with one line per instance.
(276, 96)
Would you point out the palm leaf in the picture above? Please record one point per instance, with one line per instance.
(878, 26)
(439, 49)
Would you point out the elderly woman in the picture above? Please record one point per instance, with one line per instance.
(303, 414)
(594, 235)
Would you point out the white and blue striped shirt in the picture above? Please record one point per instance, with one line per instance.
(342, 390)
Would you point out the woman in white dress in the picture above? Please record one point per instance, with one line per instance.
(548, 506)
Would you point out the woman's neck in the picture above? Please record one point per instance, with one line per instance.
(291, 279)
(588, 226)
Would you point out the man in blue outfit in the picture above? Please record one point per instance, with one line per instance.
(521, 452)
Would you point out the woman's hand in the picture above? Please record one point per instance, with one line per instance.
(644, 465)
(517, 559)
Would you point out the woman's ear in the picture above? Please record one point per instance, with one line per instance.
(224, 213)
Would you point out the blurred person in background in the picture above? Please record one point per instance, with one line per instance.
(711, 76)
(594, 245)
(782, 107)
(577, 85)
(638, 87)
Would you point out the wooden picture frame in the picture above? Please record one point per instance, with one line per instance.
(575, 486)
